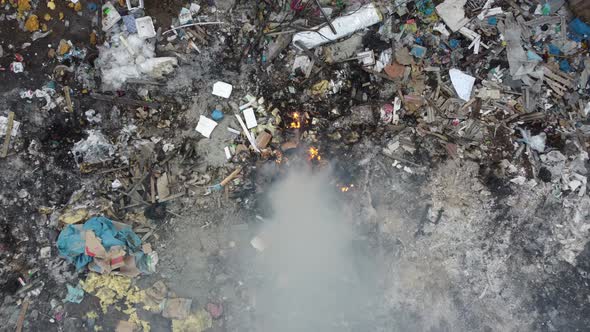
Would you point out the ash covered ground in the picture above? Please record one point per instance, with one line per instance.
(381, 201)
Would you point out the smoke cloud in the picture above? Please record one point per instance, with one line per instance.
(312, 269)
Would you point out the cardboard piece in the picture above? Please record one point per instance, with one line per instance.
(94, 246)
(125, 326)
(162, 185)
(108, 261)
(129, 267)
(177, 308)
(263, 139)
(453, 14)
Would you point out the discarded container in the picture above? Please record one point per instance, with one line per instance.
(17, 67)
(110, 16)
(345, 25)
(185, 16)
(145, 27)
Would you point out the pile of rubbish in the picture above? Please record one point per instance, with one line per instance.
(502, 83)
(106, 247)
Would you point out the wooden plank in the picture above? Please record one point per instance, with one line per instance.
(9, 126)
(561, 79)
(22, 315)
(69, 105)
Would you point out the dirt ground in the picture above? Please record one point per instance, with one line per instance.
(451, 246)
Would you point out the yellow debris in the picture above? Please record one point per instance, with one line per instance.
(32, 23)
(91, 315)
(61, 16)
(72, 216)
(44, 27)
(51, 5)
(138, 322)
(47, 17)
(78, 6)
(97, 328)
(197, 322)
(45, 210)
(320, 88)
(63, 47)
(93, 38)
(71, 5)
(111, 289)
(24, 5)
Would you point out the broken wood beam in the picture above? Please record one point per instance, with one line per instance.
(124, 100)
(9, 126)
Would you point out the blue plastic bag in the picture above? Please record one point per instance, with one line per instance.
(579, 30)
(71, 243)
(71, 246)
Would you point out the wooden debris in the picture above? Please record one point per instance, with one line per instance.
(69, 105)
(9, 126)
(162, 186)
(22, 315)
(124, 101)
(231, 176)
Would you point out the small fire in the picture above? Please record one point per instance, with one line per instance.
(314, 153)
(345, 189)
(296, 123)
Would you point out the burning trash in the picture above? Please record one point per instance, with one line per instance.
(296, 123)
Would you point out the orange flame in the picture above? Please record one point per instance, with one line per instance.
(345, 189)
(295, 123)
(314, 153)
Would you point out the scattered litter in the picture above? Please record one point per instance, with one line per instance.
(361, 18)
(197, 322)
(110, 16)
(75, 294)
(177, 308)
(206, 126)
(145, 27)
(94, 149)
(222, 89)
(250, 118)
(462, 83)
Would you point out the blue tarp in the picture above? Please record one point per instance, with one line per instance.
(578, 30)
(71, 243)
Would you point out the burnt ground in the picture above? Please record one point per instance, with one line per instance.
(454, 246)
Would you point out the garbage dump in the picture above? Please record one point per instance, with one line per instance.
(294, 165)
